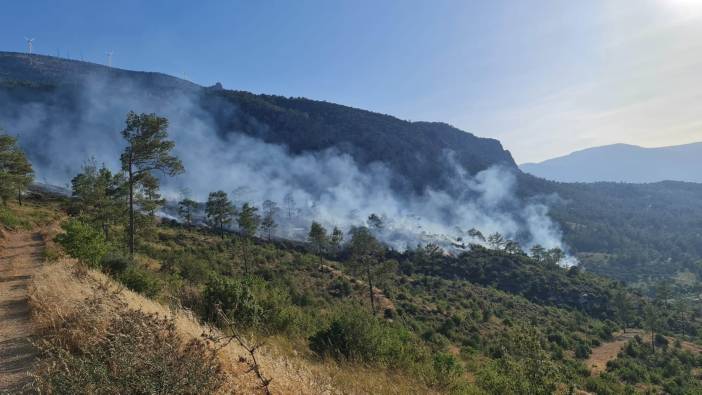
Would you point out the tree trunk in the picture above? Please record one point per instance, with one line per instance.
(19, 196)
(682, 322)
(245, 254)
(653, 341)
(131, 211)
(370, 287)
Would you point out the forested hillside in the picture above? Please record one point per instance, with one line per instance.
(631, 232)
(634, 233)
(491, 321)
(341, 310)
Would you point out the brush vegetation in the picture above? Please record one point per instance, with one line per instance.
(492, 320)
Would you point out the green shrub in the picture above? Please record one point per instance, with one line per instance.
(193, 269)
(115, 264)
(523, 366)
(340, 287)
(10, 220)
(661, 341)
(141, 280)
(447, 370)
(83, 242)
(582, 351)
(356, 335)
(235, 299)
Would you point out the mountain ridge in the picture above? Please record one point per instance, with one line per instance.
(303, 125)
(622, 163)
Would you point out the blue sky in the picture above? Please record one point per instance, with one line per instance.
(544, 77)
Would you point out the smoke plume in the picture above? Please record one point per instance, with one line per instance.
(326, 186)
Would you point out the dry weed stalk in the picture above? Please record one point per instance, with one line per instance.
(224, 341)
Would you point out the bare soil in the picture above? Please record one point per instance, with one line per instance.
(608, 351)
(20, 256)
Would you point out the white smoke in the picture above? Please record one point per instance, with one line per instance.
(326, 186)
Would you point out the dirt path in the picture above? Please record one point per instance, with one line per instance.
(608, 351)
(20, 255)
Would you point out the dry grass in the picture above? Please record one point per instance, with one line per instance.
(58, 289)
(26, 217)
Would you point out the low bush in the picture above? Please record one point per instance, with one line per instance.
(447, 370)
(115, 263)
(357, 336)
(83, 242)
(340, 287)
(582, 351)
(235, 299)
(140, 280)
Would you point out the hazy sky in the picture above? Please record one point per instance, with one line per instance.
(544, 77)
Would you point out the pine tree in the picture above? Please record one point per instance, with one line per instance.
(375, 222)
(430, 256)
(98, 195)
(622, 305)
(318, 238)
(366, 252)
(496, 241)
(335, 239)
(219, 211)
(651, 320)
(147, 151)
(476, 234)
(16, 172)
(538, 253)
(289, 201)
(248, 221)
(186, 208)
(268, 224)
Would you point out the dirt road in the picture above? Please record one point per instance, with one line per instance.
(20, 255)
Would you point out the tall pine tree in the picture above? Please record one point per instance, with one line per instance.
(148, 151)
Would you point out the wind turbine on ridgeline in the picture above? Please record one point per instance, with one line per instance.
(109, 58)
(29, 44)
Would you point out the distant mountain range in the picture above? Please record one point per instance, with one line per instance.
(623, 163)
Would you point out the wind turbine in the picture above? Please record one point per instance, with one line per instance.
(29, 44)
(109, 58)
